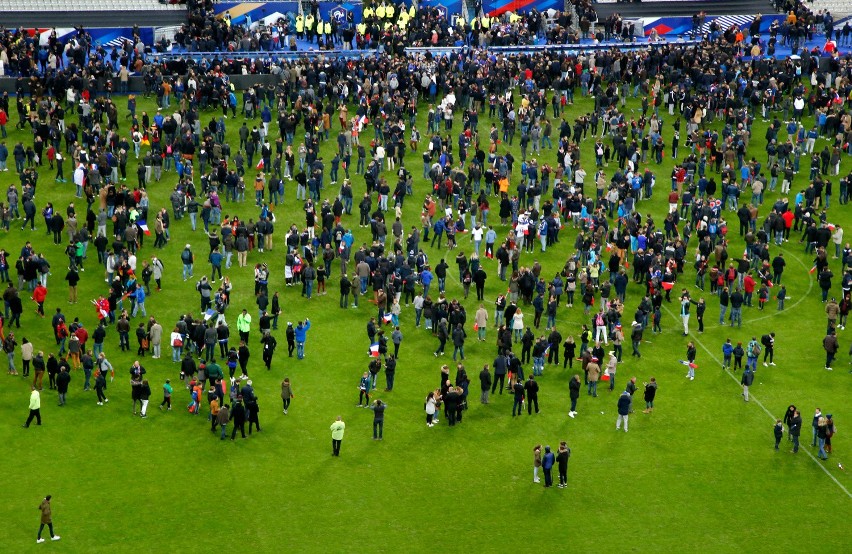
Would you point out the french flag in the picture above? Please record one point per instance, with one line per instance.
(374, 350)
(387, 318)
(689, 364)
(142, 224)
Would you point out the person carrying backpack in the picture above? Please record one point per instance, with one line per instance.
(752, 352)
(768, 342)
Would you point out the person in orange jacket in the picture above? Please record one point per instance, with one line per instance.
(39, 295)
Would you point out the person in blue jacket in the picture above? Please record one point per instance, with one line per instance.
(426, 277)
(547, 462)
(727, 351)
(301, 334)
(624, 402)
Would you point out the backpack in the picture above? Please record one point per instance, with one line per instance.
(755, 351)
(186, 256)
(765, 340)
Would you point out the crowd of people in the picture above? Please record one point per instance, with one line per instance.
(589, 202)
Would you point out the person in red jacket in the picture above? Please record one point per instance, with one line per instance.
(39, 294)
(748, 288)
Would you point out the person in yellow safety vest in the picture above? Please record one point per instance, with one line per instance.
(361, 28)
(403, 19)
(460, 21)
(319, 28)
(300, 26)
(328, 28)
(368, 12)
(412, 11)
(380, 11)
(389, 11)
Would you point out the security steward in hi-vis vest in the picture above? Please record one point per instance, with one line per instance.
(309, 27)
(300, 26)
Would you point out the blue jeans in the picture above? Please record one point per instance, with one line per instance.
(300, 350)
(593, 388)
(722, 311)
(611, 380)
(97, 349)
(224, 426)
(460, 350)
(187, 271)
(822, 453)
(737, 317)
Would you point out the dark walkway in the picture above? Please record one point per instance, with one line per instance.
(671, 9)
(42, 20)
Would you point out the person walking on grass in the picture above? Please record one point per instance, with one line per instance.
(337, 430)
(562, 462)
(46, 519)
(100, 387)
(238, 416)
(378, 408)
(624, 402)
(746, 381)
(286, 393)
(35, 407)
(167, 395)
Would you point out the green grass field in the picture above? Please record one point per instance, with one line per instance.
(699, 474)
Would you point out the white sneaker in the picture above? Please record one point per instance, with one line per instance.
(536, 480)
(100, 403)
(55, 538)
(692, 378)
(765, 364)
(571, 415)
(39, 541)
(772, 364)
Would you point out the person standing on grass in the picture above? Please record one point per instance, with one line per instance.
(518, 391)
(238, 416)
(378, 408)
(301, 335)
(650, 394)
(364, 390)
(624, 402)
(778, 431)
(46, 519)
(531, 389)
(795, 429)
(691, 353)
(562, 456)
(547, 462)
(35, 407)
(337, 430)
(485, 384)
(62, 382)
(222, 419)
(536, 462)
(253, 409)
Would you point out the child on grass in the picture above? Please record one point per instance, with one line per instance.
(739, 352)
(778, 430)
(727, 351)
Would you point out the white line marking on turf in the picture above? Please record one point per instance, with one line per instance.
(756, 401)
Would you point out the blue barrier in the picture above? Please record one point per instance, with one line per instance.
(283, 55)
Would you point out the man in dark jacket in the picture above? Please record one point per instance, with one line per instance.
(485, 383)
(531, 388)
(62, 382)
(624, 402)
(500, 368)
(795, 430)
(238, 416)
(830, 344)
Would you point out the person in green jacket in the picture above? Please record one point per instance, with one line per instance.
(167, 395)
(337, 429)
